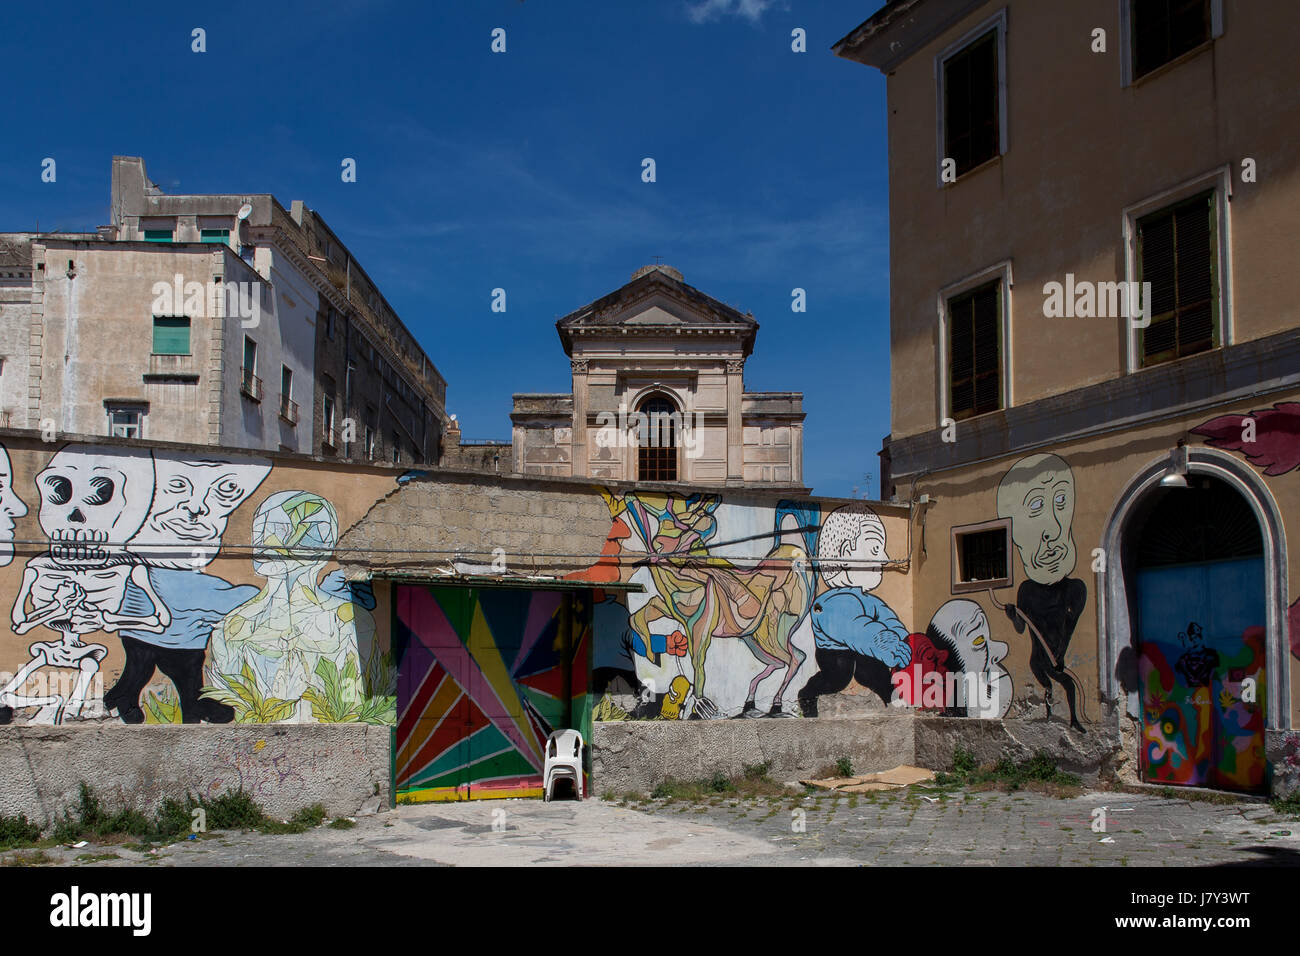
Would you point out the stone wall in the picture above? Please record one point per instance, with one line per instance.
(343, 766)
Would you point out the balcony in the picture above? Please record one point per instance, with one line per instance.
(288, 409)
(250, 385)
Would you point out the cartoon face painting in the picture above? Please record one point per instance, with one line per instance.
(193, 499)
(11, 508)
(851, 542)
(1037, 494)
(962, 627)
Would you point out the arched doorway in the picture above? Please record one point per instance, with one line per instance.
(1196, 572)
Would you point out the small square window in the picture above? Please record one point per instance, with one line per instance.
(126, 421)
(171, 335)
(981, 556)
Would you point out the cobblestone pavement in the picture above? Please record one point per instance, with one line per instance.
(889, 829)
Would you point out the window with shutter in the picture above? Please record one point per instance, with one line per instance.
(970, 104)
(1176, 254)
(171, 335)
(1163, 30)
(975, 351)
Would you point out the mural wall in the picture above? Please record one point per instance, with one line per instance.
(176, 586)
(755, 611)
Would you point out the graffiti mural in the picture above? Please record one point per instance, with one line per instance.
(1270, 440)
(961, 638)
(292, 651)
(91, 503)
(857, 635)
(486, 675)
(193, 500)
(1202, 682)
(745, 607)
(697, 596)
(125, 573)
(1038, 494)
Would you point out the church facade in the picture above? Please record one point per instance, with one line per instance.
(659, 396)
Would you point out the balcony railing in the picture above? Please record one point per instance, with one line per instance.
(250, 384)
(288, 409)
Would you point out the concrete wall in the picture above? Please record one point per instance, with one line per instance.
(15, 328)
(636, 756)
(283, 769)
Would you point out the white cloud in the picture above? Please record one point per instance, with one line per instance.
(707, 10)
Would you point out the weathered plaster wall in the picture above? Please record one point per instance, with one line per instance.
(635, 756)
(344, 767)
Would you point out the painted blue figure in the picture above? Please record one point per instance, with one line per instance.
(857, 635)
(193, 499)
(198, 602)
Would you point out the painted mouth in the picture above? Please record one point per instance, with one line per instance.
(189, 530)
(84, 546)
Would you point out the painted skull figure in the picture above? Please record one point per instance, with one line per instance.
(93, 499)
(293, 625)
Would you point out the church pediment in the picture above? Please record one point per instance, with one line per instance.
(657, 299)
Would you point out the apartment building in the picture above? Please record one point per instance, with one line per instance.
(1096, 356)
(213, 319)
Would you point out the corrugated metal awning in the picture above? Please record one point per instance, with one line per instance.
(405, 576)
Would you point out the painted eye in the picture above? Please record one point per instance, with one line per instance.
(229, 488)
(1060, 501)
(1036, 504)
(978, 642)
(101, 491)
(59, 489)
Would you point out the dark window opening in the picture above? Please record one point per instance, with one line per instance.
(657, 441)
(974, 351)
(983, 555)
(970, 104)
(1163, 30)
(1176, 254)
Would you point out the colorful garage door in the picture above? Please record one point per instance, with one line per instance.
(484, 676)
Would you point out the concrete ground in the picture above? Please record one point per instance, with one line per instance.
(894, 828)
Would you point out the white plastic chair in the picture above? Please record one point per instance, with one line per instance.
(563, 759)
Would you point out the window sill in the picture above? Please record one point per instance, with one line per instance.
(974, 170)
(1173, 64)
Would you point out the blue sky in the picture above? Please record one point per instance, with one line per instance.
(519, 170)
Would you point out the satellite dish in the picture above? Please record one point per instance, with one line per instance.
(245, 211)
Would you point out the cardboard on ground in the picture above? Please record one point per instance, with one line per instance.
(903, 776)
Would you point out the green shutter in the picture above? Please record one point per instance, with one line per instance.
(214, 235)
(171, 335)
(157, 235)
